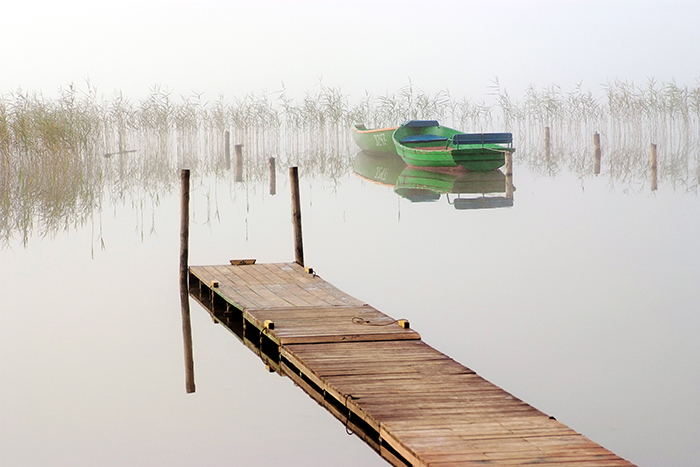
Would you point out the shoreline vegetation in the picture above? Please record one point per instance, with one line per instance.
(59, 158)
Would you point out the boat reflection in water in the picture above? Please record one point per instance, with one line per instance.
(463, 190)
(382, 169)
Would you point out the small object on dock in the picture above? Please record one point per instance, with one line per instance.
(404, 323)
(214, 284)
(269, 324)
(242, 262)
(309, 270)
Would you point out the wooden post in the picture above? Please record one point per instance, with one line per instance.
(239, 162)
(596, 155)
(227, 145)
(184, 278)
(547, 144)
(296, 216)
(654, 172)
(509, 175)
(273, 177)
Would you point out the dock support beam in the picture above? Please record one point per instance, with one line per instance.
(184, 278)
(296, 216)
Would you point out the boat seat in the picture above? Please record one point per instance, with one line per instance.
(422, 139)
(421, 123)
(482, 138)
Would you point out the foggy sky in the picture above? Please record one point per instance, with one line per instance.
(232, 48)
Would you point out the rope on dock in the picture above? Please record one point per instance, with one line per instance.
(366, 322)
(404, 323)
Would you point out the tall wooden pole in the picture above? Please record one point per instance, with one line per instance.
(184, 278)
(596, 155)
(273, 176)
(296, 216)
(547, 143)
(227, 145)
(509, 175)
(239, 162)
(654, 172)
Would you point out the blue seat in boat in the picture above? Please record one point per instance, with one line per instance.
(421, 123)
(482, 138)
(422, 139)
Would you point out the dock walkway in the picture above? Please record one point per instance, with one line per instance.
(411, 403)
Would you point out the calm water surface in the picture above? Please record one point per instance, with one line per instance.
(581, 299)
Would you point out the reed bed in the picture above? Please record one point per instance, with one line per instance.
(59, 157)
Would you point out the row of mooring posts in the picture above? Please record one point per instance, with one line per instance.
(238, 154)
(597, 156)
(184, 255)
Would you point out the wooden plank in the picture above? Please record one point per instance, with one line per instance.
(420, 405)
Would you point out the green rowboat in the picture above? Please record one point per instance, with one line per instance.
(425, 143)
(376, 142)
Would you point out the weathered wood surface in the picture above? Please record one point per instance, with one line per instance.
(303, 307)
(435, 411)
(423, 407)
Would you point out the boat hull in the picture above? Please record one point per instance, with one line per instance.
(377, 141)
(431, 145)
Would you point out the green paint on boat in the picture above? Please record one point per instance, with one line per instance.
(377, 141)
(428, 144)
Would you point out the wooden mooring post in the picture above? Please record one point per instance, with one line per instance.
(273, 176)
(184, 278)
(227, 150)
(654, 171)
(239, 162)
(509, 175)
(596, 154)
(296, 216)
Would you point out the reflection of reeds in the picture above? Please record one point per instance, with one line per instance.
(54, 169)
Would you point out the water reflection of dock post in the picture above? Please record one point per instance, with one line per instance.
(184, 278)
(296, 215)
(227, 145)
(509, 175)
(239, 162)
(596, 160)
(273, 176)
(654, 172)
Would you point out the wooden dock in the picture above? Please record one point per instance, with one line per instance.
(411, 403)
